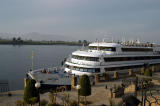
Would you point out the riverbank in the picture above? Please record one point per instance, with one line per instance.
(97, 98)
(30, 42)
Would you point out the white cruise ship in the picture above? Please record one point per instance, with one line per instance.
(103, 57)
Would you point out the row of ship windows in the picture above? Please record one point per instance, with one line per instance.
(137, 49)
(85, 58)
(93, 70)
(123, 49)
(112, 59)
(122, 68)
(102, 48)
(97, 70)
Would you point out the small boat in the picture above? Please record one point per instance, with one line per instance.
(51, 77)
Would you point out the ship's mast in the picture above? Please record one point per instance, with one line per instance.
(98, 45)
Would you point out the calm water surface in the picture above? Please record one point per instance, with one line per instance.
(15, 61)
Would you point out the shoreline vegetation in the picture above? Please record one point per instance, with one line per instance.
(19, 41)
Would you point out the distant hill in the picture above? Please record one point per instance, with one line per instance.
(37, 36)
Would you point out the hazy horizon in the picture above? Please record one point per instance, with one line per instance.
(81, 19)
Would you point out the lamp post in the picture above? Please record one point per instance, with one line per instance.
(38, 85)
(78, 88)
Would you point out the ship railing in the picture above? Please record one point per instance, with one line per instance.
(4, 86)
(47, 70)
(138, 44)
(85, 63)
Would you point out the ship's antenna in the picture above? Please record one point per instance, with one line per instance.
(96, 40)
(138, 42)
(104, 39)
(123, 40)
(112, 39)
(98, 45)
(131, 41)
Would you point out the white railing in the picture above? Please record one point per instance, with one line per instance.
(84, 62)
(52, 69)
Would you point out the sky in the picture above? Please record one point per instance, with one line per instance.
(82, 19)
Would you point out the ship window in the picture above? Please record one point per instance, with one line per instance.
(67, 66)
(85, 70)
(108, 48)
(97, 70)
(77, 69)
(81, 69)
(92, 70)
(121, 68)
(93, 47)
(102, 48)
(114, 59)
(85, 58)
(89, 70)
(137, 49)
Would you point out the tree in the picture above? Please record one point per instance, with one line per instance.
(85, 42)
(148, 72)
(19, 38)
(31, 94)
(33, 100)
(43, 102)
(85, 89)
(13, 39)
(131, 100)
(79, 41)
(20, 103)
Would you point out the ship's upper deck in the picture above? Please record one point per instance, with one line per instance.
(98, 49)
(88, 53)
(124, 44)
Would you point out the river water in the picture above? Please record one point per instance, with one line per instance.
(15, 61)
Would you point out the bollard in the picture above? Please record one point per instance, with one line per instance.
(96, 78)
(106, 76)
(158, 67)
(25, 82)
(142, 70)
(74, 82)
(153, 68)
(130, 71)
(115, 76)
(109, 93)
